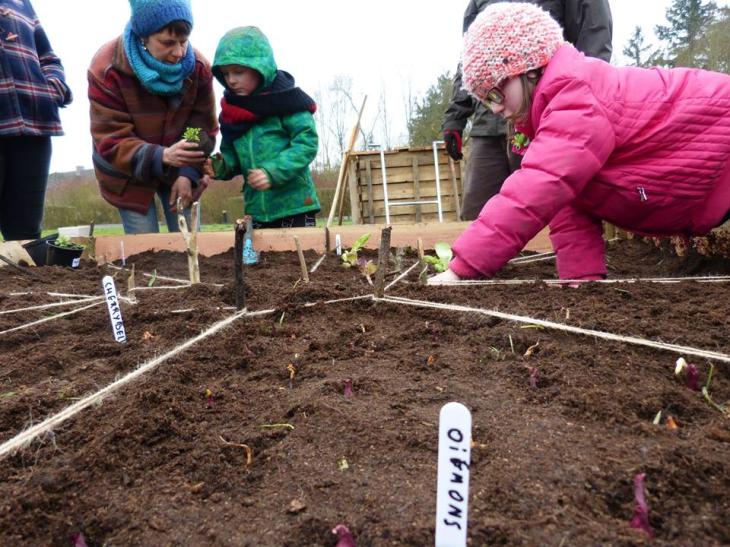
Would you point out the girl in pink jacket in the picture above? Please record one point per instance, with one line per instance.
(645, 149)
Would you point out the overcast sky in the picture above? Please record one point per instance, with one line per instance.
(380, 44)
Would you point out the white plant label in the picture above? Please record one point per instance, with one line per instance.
(454, 459)
(338, 244)
(115, 312)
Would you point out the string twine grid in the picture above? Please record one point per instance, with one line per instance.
(26, 437)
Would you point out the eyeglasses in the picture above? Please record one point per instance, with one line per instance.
(495, 96)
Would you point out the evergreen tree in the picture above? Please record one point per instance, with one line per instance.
(425, 125)
(635, 49)
(685, 33)
(718, 42)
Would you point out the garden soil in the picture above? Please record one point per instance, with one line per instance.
(561, 423)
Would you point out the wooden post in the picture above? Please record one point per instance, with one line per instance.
(191, 239)
(416, 187)
(383, 256)
(455, 189)
(369, 173)
(423, 274)
(327, 243)
(355, 210)
(240, 232)
(302, 262)
(343, 165)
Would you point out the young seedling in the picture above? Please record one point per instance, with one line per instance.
(192, 134)
(658, 418)
(440, 262)
(201, 138)
(640, 520)
(367, 268)
(691, 374)
(209, 398)
(347, 382)
(349, 258)
(293, 369)
(65, 242)
(344, 536)
(725, 409)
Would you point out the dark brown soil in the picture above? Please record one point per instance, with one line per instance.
(551, 465)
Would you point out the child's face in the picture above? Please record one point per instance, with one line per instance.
(511, 91)
(240, 79)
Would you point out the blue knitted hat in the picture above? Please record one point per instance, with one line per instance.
(149, 16)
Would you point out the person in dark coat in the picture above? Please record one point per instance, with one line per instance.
(33, 88)
(587, 25)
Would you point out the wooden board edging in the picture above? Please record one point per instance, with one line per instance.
(108, 248)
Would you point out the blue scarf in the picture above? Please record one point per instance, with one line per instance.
(157, 77)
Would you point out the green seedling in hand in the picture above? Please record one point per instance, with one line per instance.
(440, 262)
(192, 134)
(349, 258)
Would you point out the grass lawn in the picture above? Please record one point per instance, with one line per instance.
(116, 230)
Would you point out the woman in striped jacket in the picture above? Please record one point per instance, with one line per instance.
(32, 88)
(145, 88)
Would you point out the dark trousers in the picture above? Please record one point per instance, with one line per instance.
(490, 163)
(302, 220)
(24, 164)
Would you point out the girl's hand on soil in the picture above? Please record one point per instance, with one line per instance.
(443, 278)
(183, 189)
(258, 179)
(182, 153)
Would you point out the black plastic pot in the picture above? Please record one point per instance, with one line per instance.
(38, 249)
(62, 256)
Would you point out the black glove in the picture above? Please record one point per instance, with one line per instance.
(452, 138)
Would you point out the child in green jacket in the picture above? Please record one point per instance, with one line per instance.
(269, 133)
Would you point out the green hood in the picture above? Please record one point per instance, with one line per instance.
(246, 46)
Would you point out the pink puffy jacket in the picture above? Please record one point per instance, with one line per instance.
(645, 149)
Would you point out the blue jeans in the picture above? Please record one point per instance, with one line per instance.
(137, 223)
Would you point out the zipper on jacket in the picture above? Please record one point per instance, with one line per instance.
(642, 193)
(259, 194)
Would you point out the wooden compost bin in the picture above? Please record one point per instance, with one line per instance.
(410, 176)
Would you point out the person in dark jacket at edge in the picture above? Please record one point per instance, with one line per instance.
(32, 89)
(495, 153)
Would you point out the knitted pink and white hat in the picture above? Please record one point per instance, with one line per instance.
(505, 40)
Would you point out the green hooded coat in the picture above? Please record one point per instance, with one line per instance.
(283, 146)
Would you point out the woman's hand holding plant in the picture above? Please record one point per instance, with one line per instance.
(183, 153)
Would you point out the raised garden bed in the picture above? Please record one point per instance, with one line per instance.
(552, 464)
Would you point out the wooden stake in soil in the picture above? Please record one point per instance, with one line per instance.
(455, 189)
(238, 262)
(423, 275)
(302, 262)
(326, 240)
(383, 256)
(131, 286)
(191, 238)
(343, 165)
